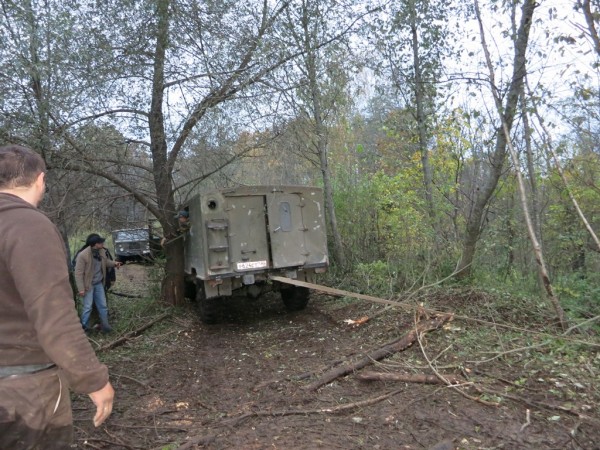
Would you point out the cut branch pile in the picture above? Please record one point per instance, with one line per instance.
(384, 352)
(132, 334)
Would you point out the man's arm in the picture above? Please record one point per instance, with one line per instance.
(80, 263)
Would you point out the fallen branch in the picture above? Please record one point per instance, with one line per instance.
(539, 405)
(87, 442)
(527, 420)
(198, 440)
(141, 383)
(121, 294)
(407, 378)
(234, 421)
(444, 378)
(585, 322)
(132, 334)
(389, 349)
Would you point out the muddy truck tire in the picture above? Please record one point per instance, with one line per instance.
(295, 298)
(208, 308)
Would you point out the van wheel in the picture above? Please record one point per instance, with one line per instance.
(207, 307)
(295, 298)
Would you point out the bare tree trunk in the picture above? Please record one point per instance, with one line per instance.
(510, 239)
(321, 133)
(537, 248)
(173, 284)
(421, 120)
(589, 18)
(338, 248)
(497, 158)
(505, 130)
(535, 201)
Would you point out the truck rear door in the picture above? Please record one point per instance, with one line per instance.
(286, 229)
(249, 247)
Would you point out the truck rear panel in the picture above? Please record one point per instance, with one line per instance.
(254, 231)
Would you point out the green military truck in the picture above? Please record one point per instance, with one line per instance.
(237, 238)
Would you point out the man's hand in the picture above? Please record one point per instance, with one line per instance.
(81, 293)
(103, 399)
(118, 264)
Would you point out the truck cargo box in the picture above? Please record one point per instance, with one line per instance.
(237, 237)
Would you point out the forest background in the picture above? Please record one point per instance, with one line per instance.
(417, 118)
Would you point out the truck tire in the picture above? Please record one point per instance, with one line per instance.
(207, 307)
(295, 298)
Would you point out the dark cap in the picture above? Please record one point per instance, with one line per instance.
(181, 214)
(96, 240)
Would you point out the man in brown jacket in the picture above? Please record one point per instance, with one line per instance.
(43, 350)
(90, 275)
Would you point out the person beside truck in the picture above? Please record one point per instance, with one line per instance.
(91, 267)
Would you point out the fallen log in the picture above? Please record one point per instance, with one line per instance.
(407, 378)
(121, 294)
(389, 349)
(132, 334)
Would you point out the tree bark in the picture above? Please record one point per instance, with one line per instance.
(321, 133)
(173, 284)
(421, 119)
(590, 20)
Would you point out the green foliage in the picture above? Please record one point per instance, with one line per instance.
(565, 236)
(376, 278)
(131, 313)
(380, 202)
(357, 217)
(580, 297)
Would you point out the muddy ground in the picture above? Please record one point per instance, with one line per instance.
(241, 384)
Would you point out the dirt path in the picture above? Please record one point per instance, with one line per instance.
(239, 385)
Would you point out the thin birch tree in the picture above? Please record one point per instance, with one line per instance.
(497, 159)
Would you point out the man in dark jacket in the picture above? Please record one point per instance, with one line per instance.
(43, 350)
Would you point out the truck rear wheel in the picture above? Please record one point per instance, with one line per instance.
(207, 307)
(295, 298)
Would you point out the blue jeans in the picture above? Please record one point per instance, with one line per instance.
(95, 295)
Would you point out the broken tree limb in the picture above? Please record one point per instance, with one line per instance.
(389, 349)
(121, 294)
(132, 334)
(235, 421)
(407, 378)
(446, 381)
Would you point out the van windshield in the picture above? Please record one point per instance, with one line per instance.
(132, 235)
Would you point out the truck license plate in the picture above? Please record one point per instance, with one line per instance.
(251, 265)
